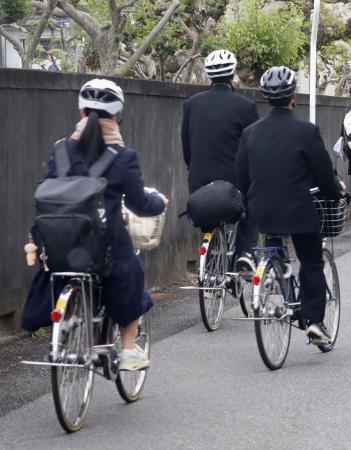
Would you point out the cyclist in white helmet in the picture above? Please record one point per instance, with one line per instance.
(213, 122)
(101, 103)
(280, 158)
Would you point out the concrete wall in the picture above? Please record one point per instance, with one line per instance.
(38, 107)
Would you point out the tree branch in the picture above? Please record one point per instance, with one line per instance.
(141, 74)
(89, 24)
(118, 21)
(188, 31)
(126, 4)
(16, 44)
(34, 38)
(150, 38)
(57, 12)
(185, 63)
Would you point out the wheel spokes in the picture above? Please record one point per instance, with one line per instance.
(214, 277)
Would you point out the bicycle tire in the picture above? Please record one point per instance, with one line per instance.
(70, 337)
(215, 267)
(272, 335)
(246, 297)
(332, 308)
(130, 384)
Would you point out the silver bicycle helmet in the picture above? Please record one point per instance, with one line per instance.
(103, 95)
(278, 82)
(220, 63)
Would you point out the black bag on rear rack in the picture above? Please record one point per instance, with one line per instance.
(219, 201)
(70, 225)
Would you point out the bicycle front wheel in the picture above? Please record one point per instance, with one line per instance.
(332, 307)
(273, 327)
(71, 386)
(130, 384)
(212, 300)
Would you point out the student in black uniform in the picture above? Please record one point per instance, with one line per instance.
(279, 159)
(213, 122)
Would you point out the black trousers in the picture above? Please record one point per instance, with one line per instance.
(247, 236)
(313, 285)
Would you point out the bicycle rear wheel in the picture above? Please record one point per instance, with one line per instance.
(273, 330)
(212, 300)
(246, 295)
(130, 384)
(71, 386)
(332, 307)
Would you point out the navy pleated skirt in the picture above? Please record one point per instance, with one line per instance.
(123, 294)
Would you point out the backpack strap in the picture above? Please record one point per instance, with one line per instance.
(104, 162)
(62, 161)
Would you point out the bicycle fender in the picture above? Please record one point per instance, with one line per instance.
(60, 306)
(256, 293)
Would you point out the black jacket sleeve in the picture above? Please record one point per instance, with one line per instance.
(185, 135)
(136, 199)
(242, 166)
(321, 166)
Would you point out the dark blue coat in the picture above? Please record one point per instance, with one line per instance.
(123, 177)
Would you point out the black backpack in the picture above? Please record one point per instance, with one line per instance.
(70, 225)
(214, 203)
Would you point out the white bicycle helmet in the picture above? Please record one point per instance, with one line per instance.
(220, 63)
(103, 95)
(278, 82)
(347, 128)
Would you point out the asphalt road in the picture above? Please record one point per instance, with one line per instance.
(209, 391)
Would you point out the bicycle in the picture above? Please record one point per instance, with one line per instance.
(216, 275)
(275, 301)
(86, 342)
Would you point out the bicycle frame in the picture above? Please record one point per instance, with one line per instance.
(265, 254)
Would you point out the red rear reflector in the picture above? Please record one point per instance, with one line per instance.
(255, 280)
(202, 250)
(55, 315)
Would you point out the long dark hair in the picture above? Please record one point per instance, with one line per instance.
(91, 142)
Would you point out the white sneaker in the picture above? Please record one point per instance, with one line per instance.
(133, 359)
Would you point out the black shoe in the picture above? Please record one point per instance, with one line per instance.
(245, 264)
(318, 333)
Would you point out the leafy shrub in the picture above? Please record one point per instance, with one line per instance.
(13, 10)
(261, 38)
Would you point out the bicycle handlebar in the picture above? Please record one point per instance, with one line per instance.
(346, 195)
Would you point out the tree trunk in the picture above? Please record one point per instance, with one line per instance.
(344, 88)
(107, 47)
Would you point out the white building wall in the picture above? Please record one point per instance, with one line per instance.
(10, 57)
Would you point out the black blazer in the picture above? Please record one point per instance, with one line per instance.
(213, 122)
(280, 157)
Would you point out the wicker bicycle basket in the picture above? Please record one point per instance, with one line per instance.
(332, 216)
(145, 232)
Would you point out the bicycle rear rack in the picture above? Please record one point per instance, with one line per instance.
(96, 351)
